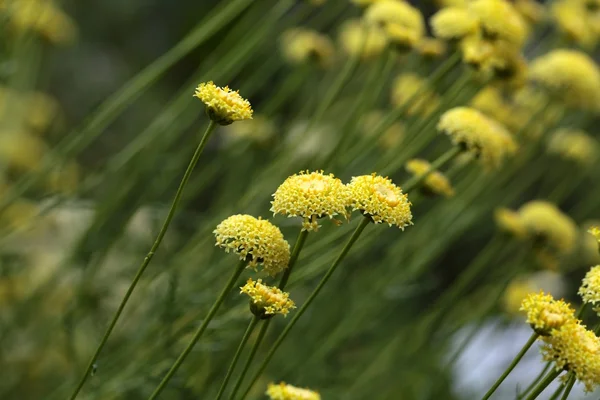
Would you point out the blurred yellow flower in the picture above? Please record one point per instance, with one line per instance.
(590, 286)
(360, 39)
(436, 182)
(499, 20)
(266, 301)
(595, 231)
(22, 151)
(255, 240)
(429, 47)
(259, 129)
(532, 11)
(281, 391)
(411, 90)
(311, 196)
(545, 314)
(574, 348)
(575, 145)
(576, 22)
(378, 198)
(223, 105)
(453, 23)
(402, 23)
(510, 222)
(300, 45)
(514, 295)
(492, 103)
(571, 74)
(546, 223)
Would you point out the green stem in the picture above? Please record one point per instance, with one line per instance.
(237, 355)
(441, 160)
(539, 388)
(512, 365)
(536, 380)
(213, 310)
(186, 176)
(357, 232)
(569, 387)
(300, 240)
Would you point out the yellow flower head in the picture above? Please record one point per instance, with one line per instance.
(453, 23)
(571, 74)
(304, 45)
(363, 40)
(266, 301)
(484, 137)
(576, 23)
(545, 222)
(378, 198)
(281, 391)
(531, 11)
(510, 222)
(435, 182)
(545, 314)
(223, 105)
(515, 293)
(255, 240)
(590, 287)
(574, 348)
(429, 47)
(411, 89)
(311, 196)
(575, 145)
(403, 24)
(595, 231)
(491, 102)
(499, 20)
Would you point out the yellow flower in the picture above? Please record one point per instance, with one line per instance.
(590, 287)
(311, 196)
(571, 74)
(414, 91)
(266, 301)
(491, 102)
(403, 24)
(482, 136)
(379, 199)
(510, 222)
(304, 45)
(255, 240)
(21, 150)
(595, 231)
(574, 348)
(499, 20)
(545, 314)
(223, 105)
(576, 23)
(362, 40)
(281, 391)
(453, 23)
(435, 182)
(514, 295)
(531, 11)
(575, 145)
(429, 47)
(547, 223)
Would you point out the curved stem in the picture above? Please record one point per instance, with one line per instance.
(539, 388)
(163, 230)
(512, 365)
(536, 380)
(237, 355)
(213, 310)
(441, 160)
(300, 240)
(357, 232)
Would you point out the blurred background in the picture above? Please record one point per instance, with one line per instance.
(98, 122)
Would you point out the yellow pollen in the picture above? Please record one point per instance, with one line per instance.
(312, 184)
(386, 194)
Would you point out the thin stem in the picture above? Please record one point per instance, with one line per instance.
(512, 365)
(300, 240)
(569, 387)
(237, 355)
(539, 388)
(357, 232)
(186, 176)
(213, 310)
(441, 160)
(536, 380)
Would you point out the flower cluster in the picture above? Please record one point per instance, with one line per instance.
(255, 240)
(435, 182)
(546, 314)
(412, 91)
(402, 24)
(223, 105)
(578, 21)
(363, 40)
(575, 145)
(311, 196)
(548, 225)
(303, 45)
(590, 287)
(595, 232)
(266, 301)
(282, 391)
(510, 222)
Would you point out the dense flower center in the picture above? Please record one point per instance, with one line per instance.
(552, 319)
(386, 194)
(313, 184)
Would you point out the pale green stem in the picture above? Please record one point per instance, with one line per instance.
(207, 134)
(359, 229)
(213, 310)
(536, 380)
(237, 355)
(539, 388)
(569, 387)
(512, 366)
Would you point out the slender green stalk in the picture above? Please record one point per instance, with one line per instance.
(441, 160)
(569, 387)
(186, 176)
(213, 310)
(539, 388)
(357, 232)
(237, 355)
(300, 240)
(557, 392)
(512, 365)
(536, 380)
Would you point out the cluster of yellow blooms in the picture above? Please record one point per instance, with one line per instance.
(578, 21)
(301, 45)
(412, 90)
(480, 135)
(435, 182)
(266, 301)
(223, 105)
(545, 314)
(574, 145)
(282, 391)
